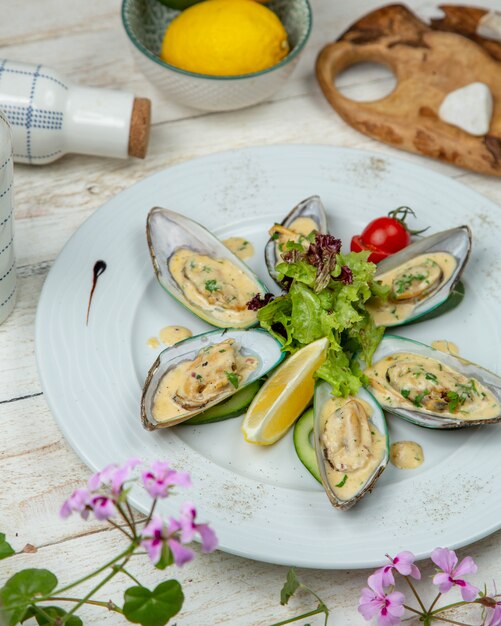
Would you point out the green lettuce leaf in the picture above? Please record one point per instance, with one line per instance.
(336, 311)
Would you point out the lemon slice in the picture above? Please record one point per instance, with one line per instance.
(284, 396)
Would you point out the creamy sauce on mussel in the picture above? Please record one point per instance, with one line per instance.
(297, 231)
(215, 373)
(411, 283)
(216, 285)
(423, 384)
(406, 454)
(240, 247)
(353, 447)
(169, 335)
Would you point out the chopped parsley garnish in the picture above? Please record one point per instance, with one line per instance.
(275, 236)
(417, 401)
(405, 392)
(430, 376)
(343, 481)
(453, 400)
(402, 284)
(211, 285)
(458, 398)
(207, 269)
(199, 377)
(233, 379)
(221, 351)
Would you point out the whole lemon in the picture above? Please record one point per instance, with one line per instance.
(225, 38)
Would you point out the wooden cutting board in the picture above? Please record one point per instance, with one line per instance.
(428, 62)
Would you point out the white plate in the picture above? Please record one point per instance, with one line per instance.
(261, 501)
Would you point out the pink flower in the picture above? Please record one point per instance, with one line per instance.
(113, 476)
(375, 602)
(159, 478)
(156, 536)
(447, 560)
(76, 503)
(403, 563)
(103, 507)
(494, 614)
(188, 528)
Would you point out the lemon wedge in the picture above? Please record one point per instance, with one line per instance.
(284, 396)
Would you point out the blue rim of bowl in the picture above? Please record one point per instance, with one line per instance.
(153, 57)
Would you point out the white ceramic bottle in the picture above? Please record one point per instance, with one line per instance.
(50, 116)
(7, 259)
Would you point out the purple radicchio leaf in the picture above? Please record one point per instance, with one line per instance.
(258, 301)
(323, 255)
(346, 275)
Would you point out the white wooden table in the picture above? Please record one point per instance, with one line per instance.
(84, 39)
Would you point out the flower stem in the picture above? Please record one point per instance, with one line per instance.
(131, 517)
(98, 571)
(450, 621)
(120, 529)
(122, 569)
(127, 520)
(447, 607)
(416, 595)
(298, 617)
(107, 605)
(409, 608)
(150, 515)
(106, 579)
(433, 604)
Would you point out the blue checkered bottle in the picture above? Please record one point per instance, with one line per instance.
(50, 116)
(7, 259)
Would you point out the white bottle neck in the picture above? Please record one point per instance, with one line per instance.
(97, 121)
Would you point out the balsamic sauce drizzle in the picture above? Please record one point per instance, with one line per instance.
(99, 268)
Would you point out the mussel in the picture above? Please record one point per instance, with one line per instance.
(199, 271)
(351, 443)
(308, 216)
(198, 373)
(421, 277)
(431, 388)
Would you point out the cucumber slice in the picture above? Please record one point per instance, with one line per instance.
(232, 407)
(303, 431)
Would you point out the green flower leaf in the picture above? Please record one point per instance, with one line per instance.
(22, 589)
(153, 608)
(290, 587)
(5, 548)
(45, 615)
(166, 558)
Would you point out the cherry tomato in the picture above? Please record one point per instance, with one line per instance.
(385, 235)
(376, 255)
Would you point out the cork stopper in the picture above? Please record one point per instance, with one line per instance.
(140, 121)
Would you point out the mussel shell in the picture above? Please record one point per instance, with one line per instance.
(322, 394)
(253, 342)
(455, 241)
(392, 344)
(166, 232)
(311, 207)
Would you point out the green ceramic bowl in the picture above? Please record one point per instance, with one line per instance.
(179, 5)
(145, 22)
